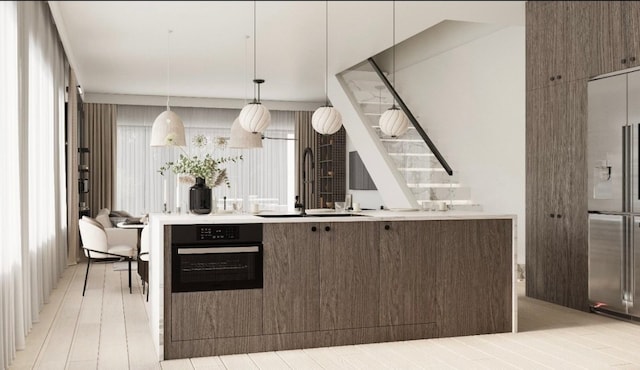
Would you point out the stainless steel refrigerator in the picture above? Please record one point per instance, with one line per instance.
(614, 193)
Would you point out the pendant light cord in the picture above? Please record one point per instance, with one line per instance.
(246, 66)
(394, 49)
(254, 51)
(326, 53)
(168, 66)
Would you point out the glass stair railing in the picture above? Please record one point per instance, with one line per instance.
(426, 177)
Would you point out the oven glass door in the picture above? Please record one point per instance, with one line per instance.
(202, 268)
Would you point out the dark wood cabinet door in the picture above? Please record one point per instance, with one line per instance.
(571, 245)
(475, 274)
(556, 194)
(349, 275)
(631, 22)
(606, 36)
(408, 257)
(291, 278)
(557, 42)
(544, 30)
(216, 314)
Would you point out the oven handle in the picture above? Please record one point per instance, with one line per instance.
(211, 250)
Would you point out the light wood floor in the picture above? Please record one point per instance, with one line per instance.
(108, 330)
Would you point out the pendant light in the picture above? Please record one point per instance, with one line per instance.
(240, 138)
(326, 120)
(394, 122)
(255, 117)
(168, 129)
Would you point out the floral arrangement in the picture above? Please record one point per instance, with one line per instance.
(207, 167)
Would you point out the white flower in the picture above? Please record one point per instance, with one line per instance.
(221, 142)
(199, 141)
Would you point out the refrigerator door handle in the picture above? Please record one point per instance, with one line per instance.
(624, 273)
(625, 169)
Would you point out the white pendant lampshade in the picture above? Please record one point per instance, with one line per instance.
(243, 139)
(394, 122)
(326, 120)
(255, 117)
(168, 130)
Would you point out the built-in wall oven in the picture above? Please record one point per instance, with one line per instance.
(216, 257)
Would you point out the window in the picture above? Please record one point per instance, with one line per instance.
(264, 173)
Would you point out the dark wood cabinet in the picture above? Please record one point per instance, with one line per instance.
(350, 282)
(614, 35)
(408, 259)
(474, 276)
(219, 314)
(291, 278)
(556, 209)
(555, 42)
(349, 275)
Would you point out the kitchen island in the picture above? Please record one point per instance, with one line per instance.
(383, 276)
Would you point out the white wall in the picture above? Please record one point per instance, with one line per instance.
(471, 102)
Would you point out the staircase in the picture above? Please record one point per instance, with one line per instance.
(427, 179)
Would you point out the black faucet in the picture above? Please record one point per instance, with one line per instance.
(300, 202)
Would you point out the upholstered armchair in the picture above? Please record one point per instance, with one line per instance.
(102, 243)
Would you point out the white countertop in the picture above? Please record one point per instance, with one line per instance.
(378, 215)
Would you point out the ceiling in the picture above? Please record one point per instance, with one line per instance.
(122, 47)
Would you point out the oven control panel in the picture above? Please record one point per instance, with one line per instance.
(217, 232)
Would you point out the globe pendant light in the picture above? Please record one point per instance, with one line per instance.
(326, 120)
(255, 117)
(168, 129)
(394, 122)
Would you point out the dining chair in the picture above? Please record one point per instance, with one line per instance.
(100, 243)
(143, 259)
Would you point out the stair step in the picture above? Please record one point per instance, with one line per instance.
(413, 154)
(425, 169)
(456, 205)
(378, 126)
(442, 193)
(441, 185)
(396, 140)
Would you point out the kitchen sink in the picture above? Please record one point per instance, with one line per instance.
(289, 215)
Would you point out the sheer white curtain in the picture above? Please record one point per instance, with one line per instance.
(262, 172)
(10, 272)
(33, 196)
